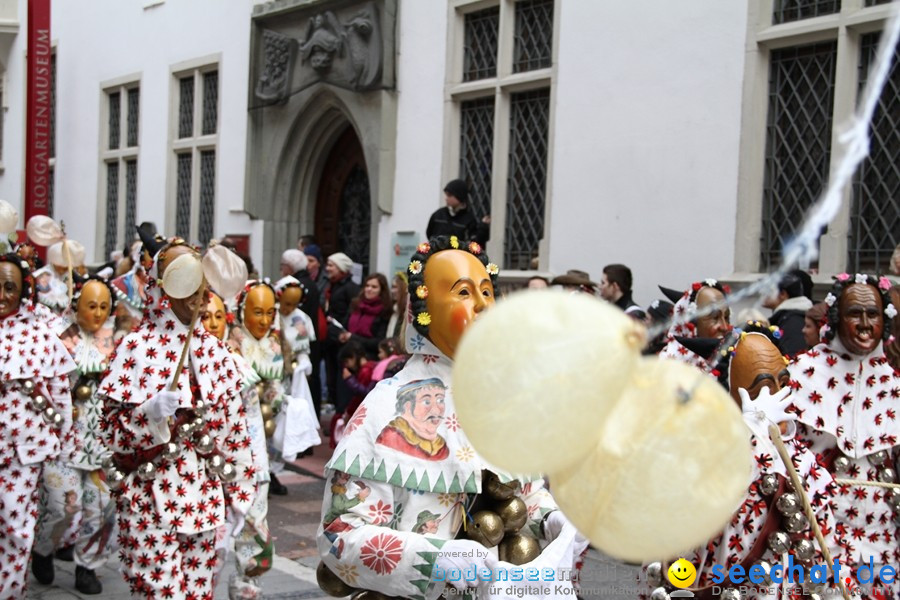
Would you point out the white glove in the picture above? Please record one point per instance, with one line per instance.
(235, 522)
(553, 525)
(767, 406)
(461, 556)
(162, 405)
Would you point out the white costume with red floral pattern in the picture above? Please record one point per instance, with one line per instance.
(167, 523)
(675, 349)
(849, 403)
(28, 350)
(387, 512)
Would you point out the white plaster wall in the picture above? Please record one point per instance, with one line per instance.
(421, 56)
(11, 188)
(645, 152)
(107, 39)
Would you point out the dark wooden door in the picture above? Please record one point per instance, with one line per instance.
(343, 204)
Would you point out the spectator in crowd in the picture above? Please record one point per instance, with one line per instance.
(575, 281)
(789, 306)
(306, 240)
(615, 287)
(892, 349)
(370, 312)
(537, 283)
(401, 301)
(659, 312)
(812, 324)
(456, 219)
(339, 294)
(314, 264)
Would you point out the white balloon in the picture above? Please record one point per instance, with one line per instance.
(533, 376)
(9, 218)
(671, 466)
(183, 276)
(43, 231)
(225, 271)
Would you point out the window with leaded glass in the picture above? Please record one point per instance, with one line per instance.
(785, 11)
(798, 140)
(195, 138)
(502, 103)
(120, 155)
(533, 40)
(875, 213)
(480, 50)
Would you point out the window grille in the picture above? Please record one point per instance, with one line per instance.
(533, 41)
(130, 201)
(798, 144)
(356, 220)
(210, 102)
(875, 215)
(207, 195)
(112, 207)
(480, 44)
(115, 100)
(186, 107)
(183, 197)
(785, 11)
(476, 152)
(876, 2)
(527, 179)
(134, 101)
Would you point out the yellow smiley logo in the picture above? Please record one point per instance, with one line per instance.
(682, 573)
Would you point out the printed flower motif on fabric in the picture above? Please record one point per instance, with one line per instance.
(347, 573)
(382, 553)
(380, 512)
(465, 454)
(452, 422)
(417, 342)
(429, 359)
(358, 417)
(448, 499)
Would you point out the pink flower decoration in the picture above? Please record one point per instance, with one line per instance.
(843, 277)
(884, 283)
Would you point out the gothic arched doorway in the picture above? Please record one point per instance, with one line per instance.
(343, 207)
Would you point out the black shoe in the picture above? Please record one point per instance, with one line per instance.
(66, 553)
(86, 581)
(42, 567)
(276, 488)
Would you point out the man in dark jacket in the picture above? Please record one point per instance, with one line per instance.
(615, 287)
(790, 306)
(339, 293)
(456, 218)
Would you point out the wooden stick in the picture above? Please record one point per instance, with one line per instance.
(881, 484)
(187, 341)
(775, 434)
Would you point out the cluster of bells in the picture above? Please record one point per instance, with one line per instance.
(194, 432)
(41, 404)
(266, 408)
(500, 525)
(793, 521)
(83, 391)
(885, 474)
(488, 527)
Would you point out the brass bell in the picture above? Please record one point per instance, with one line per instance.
(893, 499)
(796, 523)
(804, 550)
(75, 412)
(227, 472)
(491, 485)
(205, 444)
(171, 451)
(766, 567)
(146, 471)
(48, 415)
(788, 504)
(486, 528)
(514, 514)
(330, 583)
(114, 479)
(654, 573)
(659, 593)
(519, 549)
(214, 463)
(878, 458)
(82, 392)
(39, 403)
(200, 406)
(779, 542)
(28, 386)
(887, 475)
(768, 484)
(184, 431)
(198, 424)
(260, 388)
(266, 411)
(269, 426)
(841, 465)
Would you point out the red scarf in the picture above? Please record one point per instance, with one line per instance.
(363, 317)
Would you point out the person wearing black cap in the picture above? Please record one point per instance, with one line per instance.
(456, 219)
(789, 306)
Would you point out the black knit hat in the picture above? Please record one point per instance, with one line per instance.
(459, 189)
